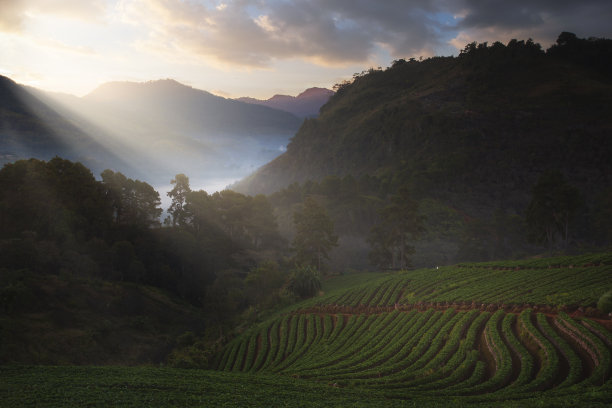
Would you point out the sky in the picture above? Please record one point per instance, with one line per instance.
(259, 48)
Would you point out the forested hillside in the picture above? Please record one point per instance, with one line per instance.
(87, 274)
(469, 137)
(490, 120)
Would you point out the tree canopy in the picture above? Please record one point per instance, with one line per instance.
(400, 224)
(133, 201)
(552, 209)
(314, 235)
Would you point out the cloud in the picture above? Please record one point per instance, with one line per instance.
(14, 13)
(11, 15)
(90, 10)
(62, 46)
(542, 20)
(254, 33)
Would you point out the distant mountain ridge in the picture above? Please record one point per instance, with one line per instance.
(156, 128)
(31, 127)
(306, 104)
(190, 106)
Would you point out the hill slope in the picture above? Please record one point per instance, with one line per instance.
(498, 331)
(174, 105)
(150, 130)
(383, 346)
(478, 128)
(31, 127)
(50, 319)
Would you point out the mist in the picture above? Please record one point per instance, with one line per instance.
(158, 129)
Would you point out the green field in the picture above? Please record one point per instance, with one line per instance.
(165, 387)
(522, 333)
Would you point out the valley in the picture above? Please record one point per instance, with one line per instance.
(436, 232)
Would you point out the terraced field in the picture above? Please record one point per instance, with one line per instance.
(492, 331)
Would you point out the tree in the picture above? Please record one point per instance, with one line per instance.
(261, 226)
(263, 283)
(314, 234)
(400, 223)
(601, 217)
(232, 211)
(199, 208)
(134, 202)
(304, 281)
(605, 302)
(57, 199)
(552, 209)
(178, 194)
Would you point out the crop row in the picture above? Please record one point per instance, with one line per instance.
(567, 285)
(434, 352)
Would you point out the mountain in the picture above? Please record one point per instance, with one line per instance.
(469, 137)
(191, 109)
(31, 127)
(483, 125)
(306, 104)
(152, 131)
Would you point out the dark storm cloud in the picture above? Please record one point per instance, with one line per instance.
(359, 25)
(256, 32)
(535, 18)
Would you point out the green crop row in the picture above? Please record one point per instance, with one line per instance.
(526, 359)
(572, 281)
(550, 360)
(500, 354)
(453, 353)
(572, 358)
(594, 346)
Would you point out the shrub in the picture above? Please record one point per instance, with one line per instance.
(305, 281)
(605, 302)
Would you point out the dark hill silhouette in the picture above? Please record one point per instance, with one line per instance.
(481, 126)
(468, 136)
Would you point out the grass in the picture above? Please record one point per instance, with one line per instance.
(26, 386)
(166, 387)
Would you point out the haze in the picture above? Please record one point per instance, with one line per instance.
(258, 48)
(237, 49)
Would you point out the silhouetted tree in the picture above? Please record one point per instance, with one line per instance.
(134, 202)
(178, 194)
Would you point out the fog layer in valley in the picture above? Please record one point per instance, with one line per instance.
(158, 129)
